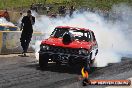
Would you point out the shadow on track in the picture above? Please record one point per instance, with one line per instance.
(23, 56)
(52, 67)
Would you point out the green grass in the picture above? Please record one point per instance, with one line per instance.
(102, 4)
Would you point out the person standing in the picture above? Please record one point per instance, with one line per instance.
(6, 15)
(72, 9)
(47, 10)
(27, 30)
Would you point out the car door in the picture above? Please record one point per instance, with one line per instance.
(94, 45)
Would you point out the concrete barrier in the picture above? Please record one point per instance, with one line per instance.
(10, 41)
(14, 16)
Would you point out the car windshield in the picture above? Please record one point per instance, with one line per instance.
(80, 35)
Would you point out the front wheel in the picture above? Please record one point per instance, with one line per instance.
(43, 60)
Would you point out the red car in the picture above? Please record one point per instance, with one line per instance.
(69, 45)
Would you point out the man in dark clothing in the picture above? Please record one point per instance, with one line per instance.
(27, 22)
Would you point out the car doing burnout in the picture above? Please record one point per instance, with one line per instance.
(69, 45)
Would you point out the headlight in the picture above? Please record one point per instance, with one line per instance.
(83, 51)
(44, 47)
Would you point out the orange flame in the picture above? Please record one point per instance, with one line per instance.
(84, 73)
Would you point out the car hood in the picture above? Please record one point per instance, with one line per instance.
(73, 44)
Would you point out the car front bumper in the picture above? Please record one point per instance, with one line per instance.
(63, 57)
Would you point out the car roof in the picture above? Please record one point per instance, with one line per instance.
(73, 28)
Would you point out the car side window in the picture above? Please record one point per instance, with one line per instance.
(89, 36)
(93, 36)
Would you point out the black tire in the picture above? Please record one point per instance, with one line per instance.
(87, 66)
(43, 60)
(87, 63)
(91, 61)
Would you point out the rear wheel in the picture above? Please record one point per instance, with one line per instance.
(43, 60)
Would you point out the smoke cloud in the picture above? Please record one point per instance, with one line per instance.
(114, 36)
(4, 21)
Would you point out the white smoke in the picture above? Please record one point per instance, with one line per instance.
(4, 21)
(113, 37)
(37, 48)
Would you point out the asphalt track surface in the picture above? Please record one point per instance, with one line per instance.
(24, 72)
